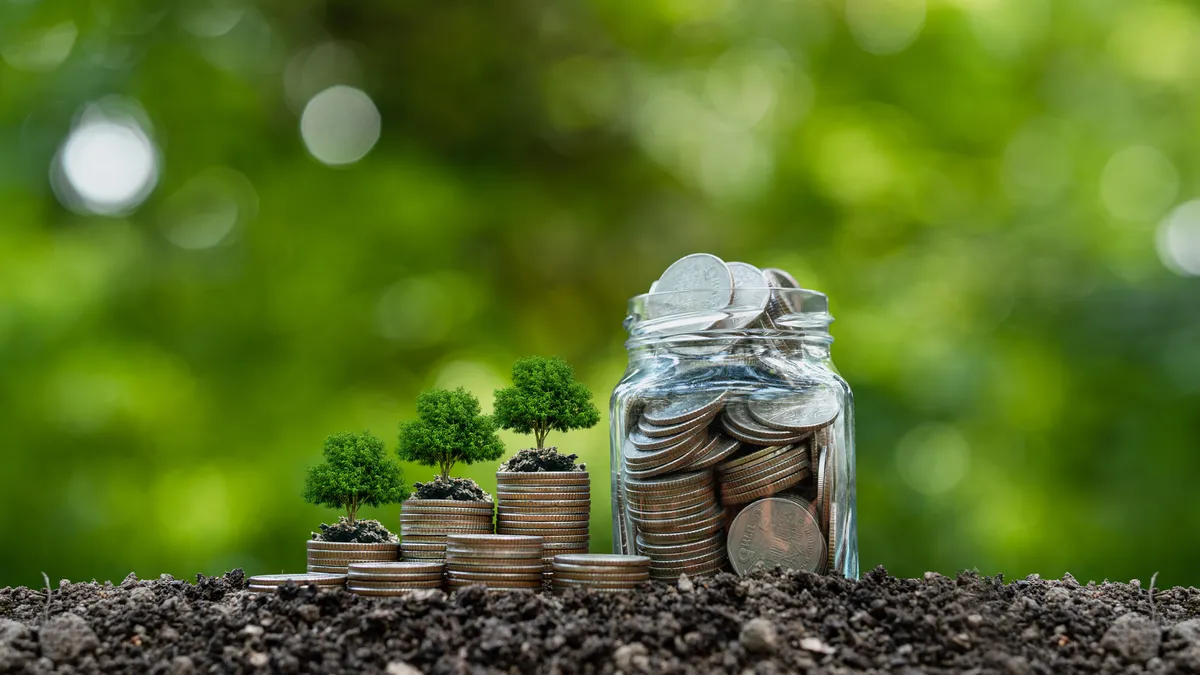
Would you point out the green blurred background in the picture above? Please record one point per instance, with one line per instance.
(228, 229)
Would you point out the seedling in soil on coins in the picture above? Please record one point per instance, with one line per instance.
(449, 429)
(356, 472)
(544, 397)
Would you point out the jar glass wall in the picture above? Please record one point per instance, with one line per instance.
(733, 448)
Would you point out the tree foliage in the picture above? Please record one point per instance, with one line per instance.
(544, 396)
(449, 429)
(356, 472)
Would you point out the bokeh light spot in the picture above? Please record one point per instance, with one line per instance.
(1038, 163)
(1138, 183)
(108, 164)
(340, 125)
(743, 82)
(204, 212)
(317, 68)
(1178, 239)
(1158, 42)
(43, 52)
(933, 458)
(885, 26)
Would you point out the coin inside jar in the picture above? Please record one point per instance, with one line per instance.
(776, 532)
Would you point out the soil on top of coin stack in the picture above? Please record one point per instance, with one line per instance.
(764, 624)
(458, 489)
(358, 532)
(542, 459)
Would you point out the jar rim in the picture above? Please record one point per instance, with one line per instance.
(761, 313)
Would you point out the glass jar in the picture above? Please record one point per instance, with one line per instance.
(733, 441)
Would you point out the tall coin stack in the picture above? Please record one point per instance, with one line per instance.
(500, 562)
(679, 524)
(730, 431)
(425, 523)
(394, 578)
(267, 583)
(602, 572)
(553, 505)
(333, 557)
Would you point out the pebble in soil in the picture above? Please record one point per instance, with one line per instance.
(542, 459)
(458, 489)
(763, 624)
(360, 531)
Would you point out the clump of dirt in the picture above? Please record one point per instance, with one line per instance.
(458, 489)
(763, 624)
(542, 459)
(359, 532)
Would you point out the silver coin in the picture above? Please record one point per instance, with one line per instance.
(816, 406)
(643, 442)
(718, 448)
(738, 416)
(751, 295)
(640, 459)
(685, 428)
(695, 283)
(682, 407)
(781, 278)
(776, 532)
(670, 484)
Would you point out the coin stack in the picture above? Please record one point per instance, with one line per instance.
(738, 413)
(500, 562)
(333, 557)
(606, 573)
(553, 505)
(267, 583)
(762, 473)
(425, 523)
(394, 578)
(679, 523)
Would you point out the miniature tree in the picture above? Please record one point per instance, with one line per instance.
(544, 396)
(449, 429)
(356, 472)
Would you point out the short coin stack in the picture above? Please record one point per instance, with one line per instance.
(607, 573)
(675, 437)
(553, 505)
(679, 523)
(333, 557)
(763, 473)
(425, 523)
(394, 578)
(500, 562)
(267, 583)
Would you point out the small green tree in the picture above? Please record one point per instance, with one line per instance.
(544, 396)
(356, 472)
(449, 429)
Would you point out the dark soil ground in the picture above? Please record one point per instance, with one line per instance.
(765, 624)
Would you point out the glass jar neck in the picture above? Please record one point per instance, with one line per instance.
(731, 347)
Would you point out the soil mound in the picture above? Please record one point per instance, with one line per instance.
(458, 489)
(360, 531)
(544, 459)
(768, 623)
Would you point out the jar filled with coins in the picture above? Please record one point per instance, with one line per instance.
(732, 431)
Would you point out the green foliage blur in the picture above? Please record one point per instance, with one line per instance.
(544, 396)
(358, 471)
(229, 229)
